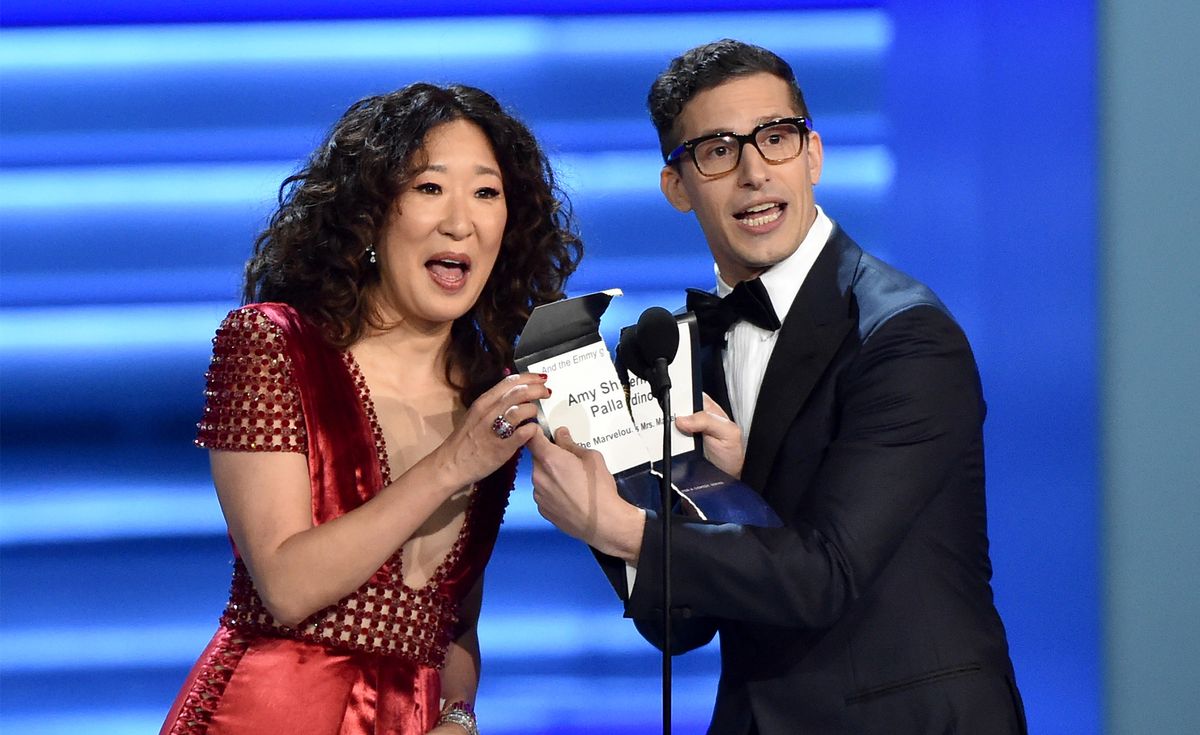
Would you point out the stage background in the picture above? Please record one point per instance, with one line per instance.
(141, 145)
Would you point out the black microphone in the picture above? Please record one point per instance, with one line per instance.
(647, 349)
(631, 355)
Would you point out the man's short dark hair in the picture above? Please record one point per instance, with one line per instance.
(705, 67)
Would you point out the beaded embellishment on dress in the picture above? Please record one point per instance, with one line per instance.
(215, 671)
(388, 619)
(364, 397)
(250, 401)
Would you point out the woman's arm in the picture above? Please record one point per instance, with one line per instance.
(299, 568)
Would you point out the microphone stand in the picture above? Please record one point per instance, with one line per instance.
(651, 346)
(663, 388)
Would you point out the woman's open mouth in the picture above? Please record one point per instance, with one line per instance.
(449, 272)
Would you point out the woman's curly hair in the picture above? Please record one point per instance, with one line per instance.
(312, 254)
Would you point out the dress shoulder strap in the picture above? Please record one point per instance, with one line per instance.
(343, 462)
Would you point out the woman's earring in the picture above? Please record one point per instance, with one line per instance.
(371, 253)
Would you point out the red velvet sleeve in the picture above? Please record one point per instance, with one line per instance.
(251, 403)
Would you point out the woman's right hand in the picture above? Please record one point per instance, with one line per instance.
(474, 449)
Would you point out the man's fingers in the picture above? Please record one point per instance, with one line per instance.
(711, 420)
(695, 423)
(563, 438)
(538, 444)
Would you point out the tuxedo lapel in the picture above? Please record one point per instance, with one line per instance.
(816, 325)
(712, 376)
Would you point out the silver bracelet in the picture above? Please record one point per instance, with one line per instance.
(460, 714)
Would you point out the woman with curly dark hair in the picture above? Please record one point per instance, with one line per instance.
(362, 434)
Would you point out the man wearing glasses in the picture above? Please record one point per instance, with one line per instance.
(860, 415)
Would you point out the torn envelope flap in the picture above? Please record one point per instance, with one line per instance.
(562, 326)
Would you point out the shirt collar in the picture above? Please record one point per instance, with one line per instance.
(784, 279)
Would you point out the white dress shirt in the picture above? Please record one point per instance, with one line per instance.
(748, 348)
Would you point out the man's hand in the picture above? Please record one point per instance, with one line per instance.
(722, 437)
(574, 490)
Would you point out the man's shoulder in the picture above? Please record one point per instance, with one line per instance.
(879, 290)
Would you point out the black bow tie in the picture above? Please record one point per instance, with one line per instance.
(747, 302)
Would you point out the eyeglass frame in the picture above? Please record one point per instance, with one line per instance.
(689, 146)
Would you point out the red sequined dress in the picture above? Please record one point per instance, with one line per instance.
(368, 664)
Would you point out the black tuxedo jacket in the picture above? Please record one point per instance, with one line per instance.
(871, 610)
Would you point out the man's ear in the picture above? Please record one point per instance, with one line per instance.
(671, 184)
(816, 157)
